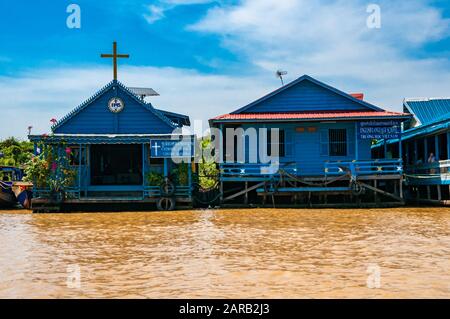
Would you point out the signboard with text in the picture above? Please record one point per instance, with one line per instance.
(171, 148)
(379, 130)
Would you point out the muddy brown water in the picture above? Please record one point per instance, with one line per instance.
(258, 253)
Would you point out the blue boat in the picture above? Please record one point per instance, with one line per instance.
(12, 189)
(8, 175)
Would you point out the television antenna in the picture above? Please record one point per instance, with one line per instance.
(280, 75)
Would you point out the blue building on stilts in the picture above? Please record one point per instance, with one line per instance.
(425, 142)
(323, 147)
(114, 148)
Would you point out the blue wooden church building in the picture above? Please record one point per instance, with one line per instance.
(115, 148)
(324, 149)
(425, 142)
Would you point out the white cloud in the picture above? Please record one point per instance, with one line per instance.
(156, 12)
(330, 40)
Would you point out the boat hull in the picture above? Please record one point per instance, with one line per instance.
(23, 193)
(7, 199)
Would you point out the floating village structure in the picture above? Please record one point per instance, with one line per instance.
(116, 148)
(324, 147)
(425, 142)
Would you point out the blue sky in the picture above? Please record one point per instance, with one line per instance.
(210, 57)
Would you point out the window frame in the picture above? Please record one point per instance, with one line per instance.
(338, 145)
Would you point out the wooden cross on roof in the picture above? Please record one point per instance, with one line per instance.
(114, 56)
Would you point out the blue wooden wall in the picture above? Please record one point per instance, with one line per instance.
(309, 150)
(96, 118)
(305, 96)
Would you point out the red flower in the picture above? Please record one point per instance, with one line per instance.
(53, 120)
(54, 166)
(68, 150)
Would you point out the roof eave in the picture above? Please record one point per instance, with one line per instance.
(394, 117)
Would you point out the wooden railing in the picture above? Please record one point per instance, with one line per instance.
(155, 191)
(233, 171)
(434, 168)
(369, 167)
(75, 193)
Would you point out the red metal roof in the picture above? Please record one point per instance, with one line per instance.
(359, 96)
(309, 115)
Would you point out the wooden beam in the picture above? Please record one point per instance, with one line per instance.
(381, 191)
(244, 191)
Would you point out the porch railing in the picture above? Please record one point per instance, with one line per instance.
(256, 171)
(232, 171)
(75, 192)
(367, 167)
(435, 168)
(155, 191)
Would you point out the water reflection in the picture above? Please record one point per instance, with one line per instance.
(227, 253)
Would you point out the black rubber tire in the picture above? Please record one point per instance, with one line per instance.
(165, 204)
(357, 189)
(167, 189)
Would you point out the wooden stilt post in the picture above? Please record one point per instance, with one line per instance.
(428, 192)
(246, 194)
(401, 186)
(439, 193)
(375, 194)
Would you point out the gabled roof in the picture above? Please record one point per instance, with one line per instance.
(99, 93)
(362, 103)
(428, 110)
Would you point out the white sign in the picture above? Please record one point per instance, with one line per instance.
(116, 105)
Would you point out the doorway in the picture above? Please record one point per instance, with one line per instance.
(116, 164)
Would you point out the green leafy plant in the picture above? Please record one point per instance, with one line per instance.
(207, 169)
(15, 152)
(51, 169)
(181, 175)
(154, 178)
(37, 171)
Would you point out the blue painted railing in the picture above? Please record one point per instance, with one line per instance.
(255, 172)
(369, 167)
(155, 191)
(260, 172)
(74, 193)
(436, 173)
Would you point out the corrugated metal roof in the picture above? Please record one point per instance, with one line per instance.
(308, 115)
(427, 111)
(143, 91)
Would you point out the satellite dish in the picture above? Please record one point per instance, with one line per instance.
(280, 75)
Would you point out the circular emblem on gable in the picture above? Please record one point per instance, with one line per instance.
(116, 105)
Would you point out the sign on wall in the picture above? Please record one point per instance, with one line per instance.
(379, 130)
(171, 148)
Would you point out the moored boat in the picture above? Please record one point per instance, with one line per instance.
(12, 189)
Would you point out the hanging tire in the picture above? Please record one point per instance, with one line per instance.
(167, 188)
(357, 189)
(165, 204)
